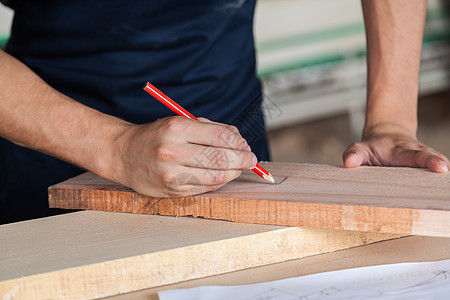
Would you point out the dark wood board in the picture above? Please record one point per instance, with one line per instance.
(375, 199)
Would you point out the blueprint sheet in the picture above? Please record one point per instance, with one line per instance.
(424, 280)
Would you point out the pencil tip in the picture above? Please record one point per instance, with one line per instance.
(270, 178)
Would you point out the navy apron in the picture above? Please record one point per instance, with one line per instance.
(200, 53)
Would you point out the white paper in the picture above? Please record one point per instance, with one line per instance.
(425, 280)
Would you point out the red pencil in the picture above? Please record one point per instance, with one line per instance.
(176, 108)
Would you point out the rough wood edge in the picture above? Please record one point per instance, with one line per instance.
(329, 216)
(175, 265)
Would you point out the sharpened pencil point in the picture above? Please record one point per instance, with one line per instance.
(270, 178)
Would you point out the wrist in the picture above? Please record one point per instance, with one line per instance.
(391, 114)
(372, 130)
(111, 150)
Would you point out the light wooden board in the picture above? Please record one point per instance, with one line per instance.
(405, 249)
(96, 254)
(375, 199)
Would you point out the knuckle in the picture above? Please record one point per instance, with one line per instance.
(399, 149)
(166, 177)
(233, 129)
(165, 153)
(219, 159)
(222, 136)
(219, 178)
(229, 136)
(175, 124)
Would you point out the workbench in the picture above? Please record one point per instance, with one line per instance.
(92, 254)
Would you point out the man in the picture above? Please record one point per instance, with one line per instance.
(72, 79)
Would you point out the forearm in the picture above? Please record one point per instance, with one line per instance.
(34, 115)
(394, 38)
(153, 159)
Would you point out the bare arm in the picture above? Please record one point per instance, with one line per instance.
(394, 32)
(147, 158)
(35, 115)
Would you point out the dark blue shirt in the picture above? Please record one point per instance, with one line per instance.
(101, 53)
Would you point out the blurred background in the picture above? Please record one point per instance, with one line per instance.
(311, 59)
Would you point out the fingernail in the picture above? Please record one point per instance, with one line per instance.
(254, 161)
(443, 165)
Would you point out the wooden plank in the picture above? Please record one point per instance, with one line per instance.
(375, 199)
(88, 254)
(401, 250)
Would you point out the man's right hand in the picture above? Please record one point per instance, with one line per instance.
(174, 156)
(177, 156)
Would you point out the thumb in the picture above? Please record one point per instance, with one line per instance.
(353, 160)
(353, 157)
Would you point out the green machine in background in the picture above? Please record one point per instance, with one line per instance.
(3, 40)
(5, 23)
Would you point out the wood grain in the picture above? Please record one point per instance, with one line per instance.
(374, 199)
(86, 255)
(401, 250)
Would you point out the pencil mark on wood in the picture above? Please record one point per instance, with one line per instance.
(282, 180)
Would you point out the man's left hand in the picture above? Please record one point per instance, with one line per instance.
(394, 149)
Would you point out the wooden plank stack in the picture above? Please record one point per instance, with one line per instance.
(86, 255)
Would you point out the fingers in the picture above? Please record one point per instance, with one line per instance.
(185, 176)
(207, 157)
(436, 164)
(423, 158)
(219, 135)
(201, 156)
(176, 189)
(185, 181)
(405, 155)
(204, 132)
(204, 144)
(190, 190)
(204, 157)
(191, 181)
(177, 156)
